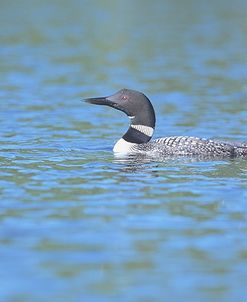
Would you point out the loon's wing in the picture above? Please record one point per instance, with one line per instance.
(192, 146)
(196, 146)
(187, 145)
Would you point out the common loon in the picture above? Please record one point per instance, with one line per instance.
(142, 123)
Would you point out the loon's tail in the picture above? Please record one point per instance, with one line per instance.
(241, 150)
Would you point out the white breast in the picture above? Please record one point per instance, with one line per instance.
(122, 146)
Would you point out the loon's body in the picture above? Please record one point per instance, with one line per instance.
(142, 116)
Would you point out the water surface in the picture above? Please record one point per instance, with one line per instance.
(78, 223)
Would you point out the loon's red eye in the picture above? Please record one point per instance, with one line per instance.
(124, 97)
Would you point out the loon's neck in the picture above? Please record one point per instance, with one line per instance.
(135, 135)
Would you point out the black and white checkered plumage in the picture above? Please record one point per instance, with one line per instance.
(187, 145)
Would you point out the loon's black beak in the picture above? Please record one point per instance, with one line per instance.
(100, 101)
(115, 101)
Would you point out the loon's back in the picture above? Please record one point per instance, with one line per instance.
(187, 145)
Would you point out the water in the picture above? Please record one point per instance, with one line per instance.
(77, 223)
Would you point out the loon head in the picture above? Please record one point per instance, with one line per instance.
(138, 108)
(134, 103)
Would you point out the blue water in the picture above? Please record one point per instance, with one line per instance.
(78, 223)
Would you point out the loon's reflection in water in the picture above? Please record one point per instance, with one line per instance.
(141, 162)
